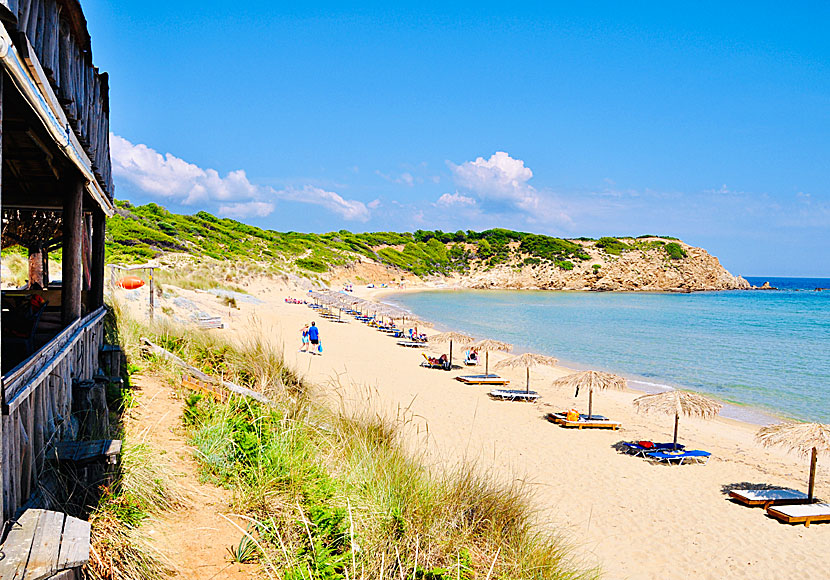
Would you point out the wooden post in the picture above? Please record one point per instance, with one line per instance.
(590, 402)
(99, 225)
(3, 466)
(450, 355)
(152, 299)
(812, 485)
(527, 385)
(35, 266)
(72, 266)
(45, 253)
(676, 421)
(487, 363)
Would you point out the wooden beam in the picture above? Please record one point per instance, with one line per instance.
(3, 467)
(99, 225)
(72, 266)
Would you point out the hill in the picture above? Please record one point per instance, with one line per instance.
(492, 258)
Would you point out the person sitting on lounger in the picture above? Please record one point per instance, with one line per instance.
(471, 356)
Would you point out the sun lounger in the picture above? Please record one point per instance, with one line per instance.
(514, 395)
(801, 514)
(636, 448)
(412, 344)
(595, 421)
(434, 363)
(681, 457)
(490, 379)
(768, 497)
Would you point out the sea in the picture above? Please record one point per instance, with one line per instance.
(765, 353)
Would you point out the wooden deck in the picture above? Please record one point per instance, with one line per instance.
(44, 544)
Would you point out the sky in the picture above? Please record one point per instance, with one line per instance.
(708, 121)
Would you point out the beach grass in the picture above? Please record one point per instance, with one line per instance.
(322, 492)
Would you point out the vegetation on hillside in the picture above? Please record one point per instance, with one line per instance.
(326, 494)
(139, 233)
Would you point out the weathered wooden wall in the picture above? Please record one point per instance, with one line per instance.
(56, 31)
(38, 405)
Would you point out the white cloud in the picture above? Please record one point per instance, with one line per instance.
(246, 209)
(500, 178)
(346, 208)
(171, 178)
(374, 204)
(453, 199)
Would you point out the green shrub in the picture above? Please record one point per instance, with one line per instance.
(675, 251)
(312, 265)
(612, 246)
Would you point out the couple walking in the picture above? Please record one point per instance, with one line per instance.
(311, 335)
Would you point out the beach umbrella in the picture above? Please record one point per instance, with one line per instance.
(489, 344)
(805, 439)
(593, 381)
(679, 403)
(450, 337)
(527, 360)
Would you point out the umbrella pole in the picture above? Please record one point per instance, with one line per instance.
(487, 363)
(527, 385)
(676, 421)
(590, 403)
(812, 476)
(450, 355)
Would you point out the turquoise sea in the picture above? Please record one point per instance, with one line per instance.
(765, 350)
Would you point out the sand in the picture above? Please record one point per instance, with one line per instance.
(626, 515)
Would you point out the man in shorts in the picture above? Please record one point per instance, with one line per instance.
(314, 338)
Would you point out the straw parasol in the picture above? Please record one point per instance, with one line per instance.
(527, 360)
(679, 403)
(802, 438)
(593, 381)
(489, 344)
(450, 337)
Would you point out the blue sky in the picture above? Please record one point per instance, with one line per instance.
(706, 121)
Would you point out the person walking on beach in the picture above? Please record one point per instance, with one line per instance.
(314, 338)
(304, 347)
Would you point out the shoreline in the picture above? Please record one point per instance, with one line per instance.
(743, 413)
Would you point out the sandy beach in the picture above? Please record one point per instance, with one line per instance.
(627, 516)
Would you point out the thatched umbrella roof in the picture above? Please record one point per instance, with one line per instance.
(679, 403)
(527, 360)
(799, 438)
(451, 336)
(591, 380)
(489, 344)
(805, 439)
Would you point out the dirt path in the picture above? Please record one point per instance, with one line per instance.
(195, 538)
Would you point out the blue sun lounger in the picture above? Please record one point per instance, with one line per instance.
(680, 458)
(637, 449)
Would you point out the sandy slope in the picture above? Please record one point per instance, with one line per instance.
(633, 518)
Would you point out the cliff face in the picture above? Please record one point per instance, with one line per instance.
(634, 270)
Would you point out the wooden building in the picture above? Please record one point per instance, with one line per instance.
(56, 192)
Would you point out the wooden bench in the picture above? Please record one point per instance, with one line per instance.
(84, 452)
(45, 544)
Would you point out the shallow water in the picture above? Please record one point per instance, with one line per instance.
(767, 350)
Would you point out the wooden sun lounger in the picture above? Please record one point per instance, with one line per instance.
(596, 421)
(767, 497)
(490, 379)
(514, 395)
(801, 514)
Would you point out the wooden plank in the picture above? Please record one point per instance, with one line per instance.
(18, 545)
(74, 544)
(46, 546)
(154, 348)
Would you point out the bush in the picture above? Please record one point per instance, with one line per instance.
(612, 246)
(312, 265)
(675, 251)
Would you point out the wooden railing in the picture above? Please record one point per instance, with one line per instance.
(55, 30)
(37, 405)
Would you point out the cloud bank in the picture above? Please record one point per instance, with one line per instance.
(173, 179)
